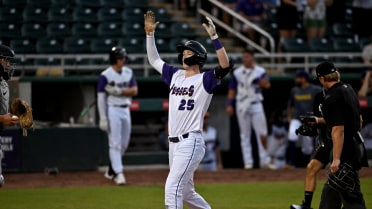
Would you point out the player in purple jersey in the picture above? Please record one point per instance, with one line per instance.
(189, 98)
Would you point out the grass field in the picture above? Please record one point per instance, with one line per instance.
(267, 195)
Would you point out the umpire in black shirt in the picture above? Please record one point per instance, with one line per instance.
(341, 113)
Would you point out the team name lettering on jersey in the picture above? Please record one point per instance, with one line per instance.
(303, 97)
(182, 91)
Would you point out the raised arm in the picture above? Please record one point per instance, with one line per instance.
(152, 52)
(223, 59)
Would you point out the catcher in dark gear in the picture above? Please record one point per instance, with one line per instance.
(6, 71)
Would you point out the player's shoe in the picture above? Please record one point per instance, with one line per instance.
(302, 206)
(119, 179)
(271, 166)
(110, 174)
(248, 166)
(2, 180)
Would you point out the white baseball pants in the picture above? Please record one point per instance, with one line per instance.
(119, 122)
(184, 158)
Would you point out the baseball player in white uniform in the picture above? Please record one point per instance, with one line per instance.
(116, 86)
(6, 71)
(245, 91)
(190, 93)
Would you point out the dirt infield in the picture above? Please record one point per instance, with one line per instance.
(156, 177)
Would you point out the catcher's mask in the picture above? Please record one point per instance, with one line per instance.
(7, 65)
(117, 52)
(198, 58)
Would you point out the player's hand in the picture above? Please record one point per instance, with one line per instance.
(113, 90)
(103, 124)
(335, 166)
(150, 23)
(210, 28)
(10, 120)
(230, 110)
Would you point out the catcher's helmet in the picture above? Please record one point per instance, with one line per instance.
(6, 71)
(117, 52)
(198, 58)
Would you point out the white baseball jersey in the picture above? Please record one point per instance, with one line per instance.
(122, 80)
(246, 83)
(4, 98)
(189, 99)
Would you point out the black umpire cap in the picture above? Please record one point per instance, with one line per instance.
(325, 68)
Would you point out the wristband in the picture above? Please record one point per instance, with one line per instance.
(230, 102)
(217, 44)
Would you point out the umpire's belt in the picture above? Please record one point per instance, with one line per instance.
(178, 138)
(122, 106)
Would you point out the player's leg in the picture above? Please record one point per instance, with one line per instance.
(330, 198)
(185, 157)
(192, 198)
(245, 126)
(292, 139)
(260, 128)
(115, 136)
(126, 130)
(354, 199)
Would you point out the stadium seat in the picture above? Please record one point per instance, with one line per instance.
(40, 3)
(163, 30)
(207, 43)
(109, 29)
(342, 30)
(102, 45)
(119, 4)
(321, 45)
(84, 30)
(132, 14)
(75, 45)
(15, 3)
(11, 14)
(60, 14)
(35, 14)
(162, 44)
(58, 30)
(162, 15)
(33, 30)
(64, 3)
(49, 46)
(9, 30)
(342, 44)
(22, 46)
(84, 14)
(133, 28)
(138, 3)
(109, 14)
(88, 3)
(295, 45)
(133, 44)
(183, 30)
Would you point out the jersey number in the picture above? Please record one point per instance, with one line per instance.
(186, 104)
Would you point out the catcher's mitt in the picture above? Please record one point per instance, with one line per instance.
(22, 109)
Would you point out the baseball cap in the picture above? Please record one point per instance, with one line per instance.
(301, 73)
(325, 68)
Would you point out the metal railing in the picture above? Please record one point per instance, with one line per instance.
(83, 62)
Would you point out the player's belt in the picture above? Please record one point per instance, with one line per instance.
(122, 106)
(177, 138)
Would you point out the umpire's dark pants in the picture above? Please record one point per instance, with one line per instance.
(333, 199)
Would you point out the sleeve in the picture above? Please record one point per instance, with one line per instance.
(335, 114)
(133, 81)
(101, 103)
(168, 72)
(153, 55)
(209, 81)
(233, 82)
(102, 82)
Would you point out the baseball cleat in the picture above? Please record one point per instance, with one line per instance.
(299, 207)
(248, 166)
(120, 179)
(2, 180)
(109, 176)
